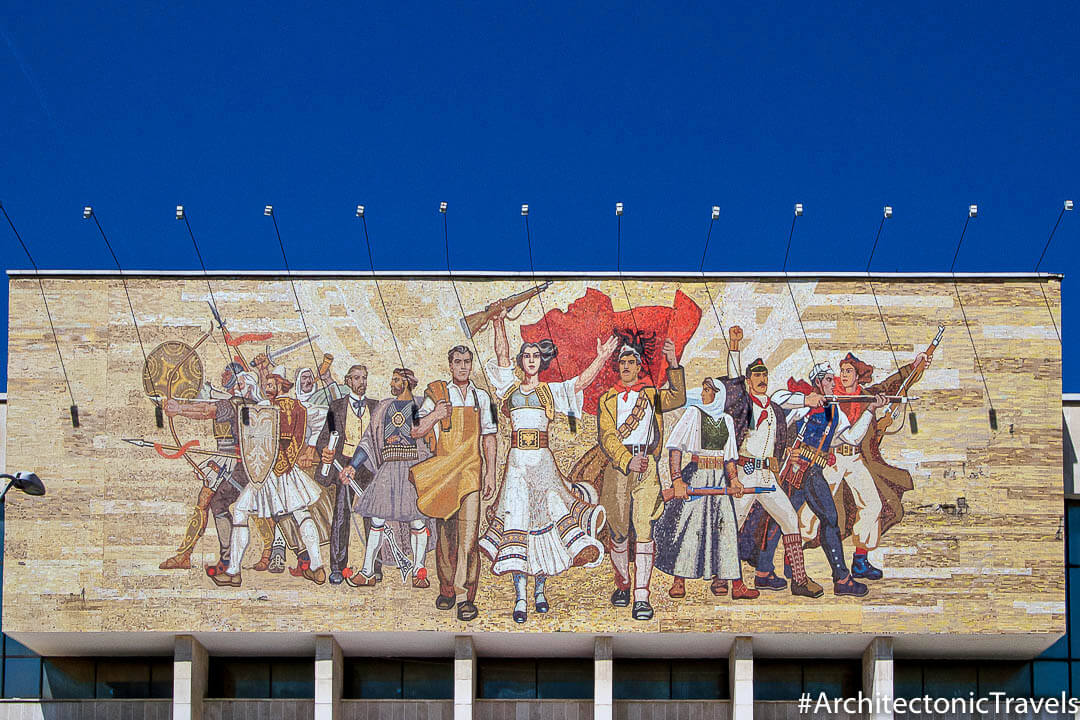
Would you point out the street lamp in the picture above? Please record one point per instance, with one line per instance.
(28, 482)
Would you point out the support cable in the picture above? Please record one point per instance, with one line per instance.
(88, 213)
(1068, 205)
(181, 214)
(48, 314)
(626, 292)
(461, 307)
(378, 288)
(701, 269)
(787, 281)
(269, 211)
(973, 211)
(571, 419)
(881, 315)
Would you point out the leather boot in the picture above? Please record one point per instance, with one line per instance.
(200, 516)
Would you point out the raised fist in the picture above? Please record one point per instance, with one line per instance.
(735, 336)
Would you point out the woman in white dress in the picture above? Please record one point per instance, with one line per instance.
(540, 525)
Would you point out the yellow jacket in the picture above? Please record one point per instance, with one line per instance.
(670, 398)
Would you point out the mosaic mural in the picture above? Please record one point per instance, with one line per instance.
(576, 455)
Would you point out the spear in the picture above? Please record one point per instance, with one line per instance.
(139, 442)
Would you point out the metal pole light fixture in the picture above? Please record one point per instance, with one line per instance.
(28, 482)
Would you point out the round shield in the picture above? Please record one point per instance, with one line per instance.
(175, 361)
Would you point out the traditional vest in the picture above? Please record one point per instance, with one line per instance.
(354, 427)
(714, 435)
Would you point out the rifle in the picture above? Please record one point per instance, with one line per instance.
(896, 407)
(477, 321)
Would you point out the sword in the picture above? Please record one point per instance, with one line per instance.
(405, 565)
(139, 442)
(274, 355)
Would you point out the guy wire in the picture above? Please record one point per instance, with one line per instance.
(48, 314)
(712, 304)
(1041, 289)
(633, 318)
(303, 320)
(963, 313)
(213, 301)
(540, 296)
(881, 314)
(461, 306)
(378, 289)
(787, 281)
(123, 281)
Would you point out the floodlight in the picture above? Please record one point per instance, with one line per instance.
(973, 211)
(888, 211)
(715, 212)
(87, 212)
(359, 211)
(27, 482)
(524, 209)
(618, 209)
(798, 209)
(1068, 204)
(268, 210)
(442, 207)
(179, 212)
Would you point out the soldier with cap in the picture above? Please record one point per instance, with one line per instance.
(761, 439)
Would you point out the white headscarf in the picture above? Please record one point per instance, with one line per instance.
(316, 414)
(305, 397)
(715, 409)
(251, 382)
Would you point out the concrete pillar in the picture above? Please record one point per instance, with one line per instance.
(603, 658)
(329, 674)
(464, 677)
(741, 678)
(190, 666)
(877, 677)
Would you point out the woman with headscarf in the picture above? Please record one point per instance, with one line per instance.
(697, 536)
(539, 527)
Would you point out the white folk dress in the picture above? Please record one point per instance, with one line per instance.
(539, 526)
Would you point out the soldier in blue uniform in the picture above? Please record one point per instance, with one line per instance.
(817, 424)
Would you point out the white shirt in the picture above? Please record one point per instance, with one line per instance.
(845, 431)
(686, 436)
(464, 398)
(642, 434)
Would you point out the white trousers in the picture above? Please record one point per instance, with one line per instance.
(775, 503)
(852, 470)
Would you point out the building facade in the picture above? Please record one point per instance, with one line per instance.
(342, 496)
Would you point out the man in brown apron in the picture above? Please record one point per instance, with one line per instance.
(458, 420)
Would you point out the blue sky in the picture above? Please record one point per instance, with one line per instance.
(570, 107)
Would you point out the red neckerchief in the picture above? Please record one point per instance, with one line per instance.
(801, 386)
(764, 405)
(626, 389)
(852, 410)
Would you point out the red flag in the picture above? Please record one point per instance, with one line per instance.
(593, 316)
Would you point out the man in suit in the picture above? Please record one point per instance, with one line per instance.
(630, 425)
(349, 417)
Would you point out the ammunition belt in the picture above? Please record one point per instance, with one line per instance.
(708, 462)
(847, 450)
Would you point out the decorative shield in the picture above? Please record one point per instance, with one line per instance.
(177, 361)
(259, 442)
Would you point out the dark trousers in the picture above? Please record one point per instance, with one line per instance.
(814, 492)
(344, 496)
